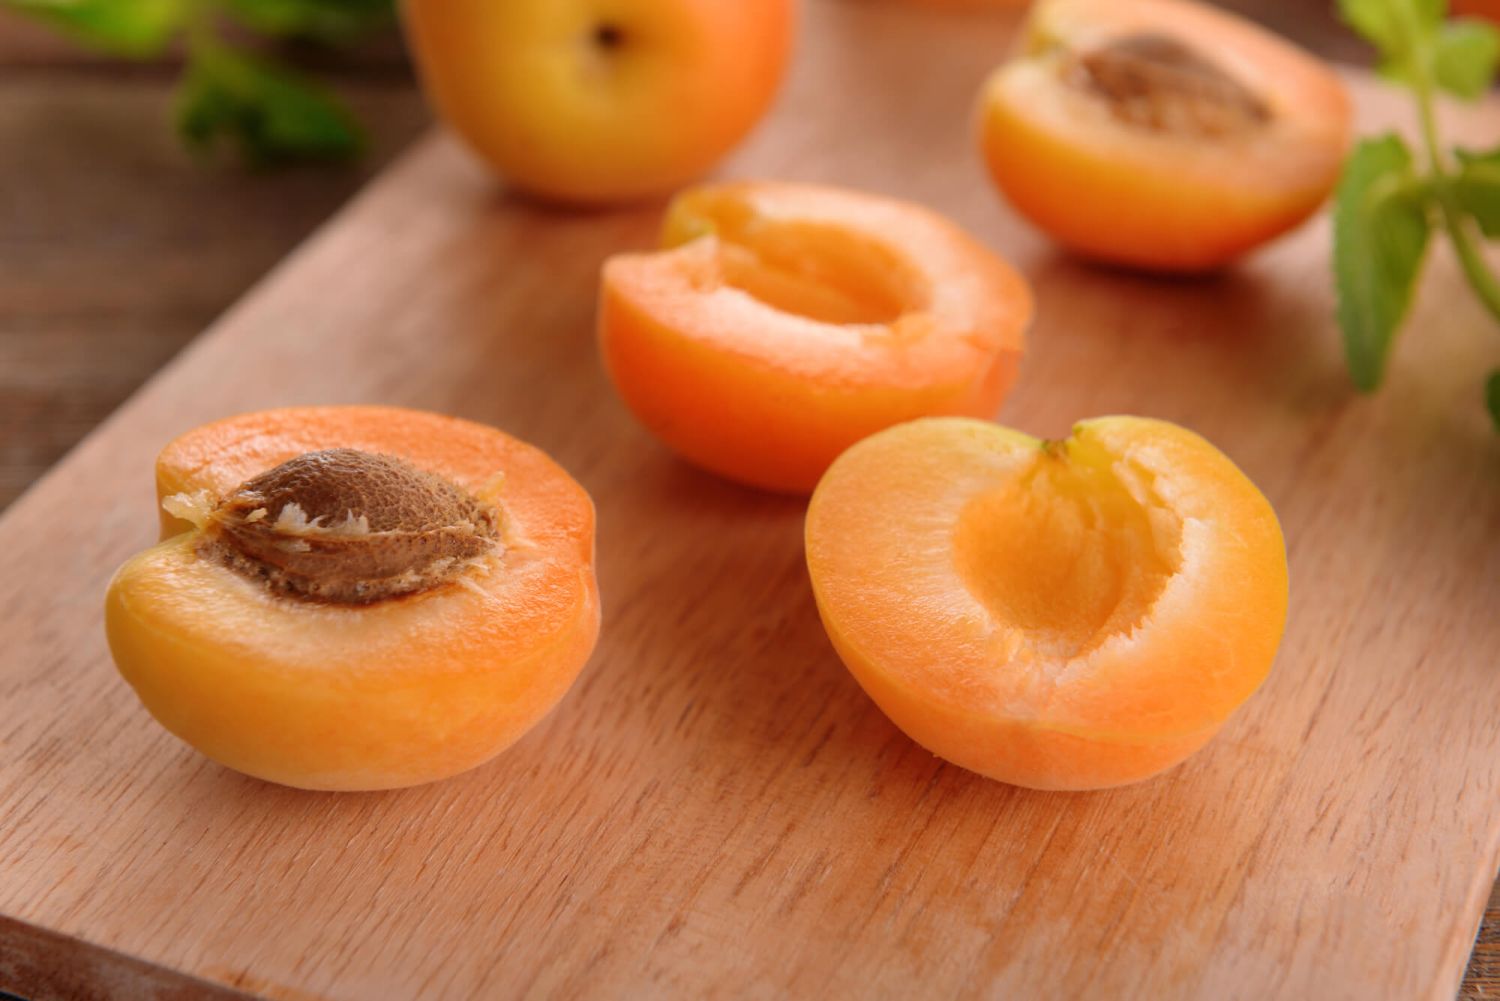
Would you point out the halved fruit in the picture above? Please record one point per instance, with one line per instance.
(1161, 133)
(1059, 615)
(356, 597)
(784, 322)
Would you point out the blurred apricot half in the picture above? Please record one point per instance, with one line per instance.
(597, 101)
(1161, 134)
(784, 322)
(1060, 615)
(356, 597)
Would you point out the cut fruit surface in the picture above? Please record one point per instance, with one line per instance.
(783, 322)
(334, 694)
(1161, 133)
(1059, 615)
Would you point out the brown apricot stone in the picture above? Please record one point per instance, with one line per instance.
(347, 526)
(1156, 82)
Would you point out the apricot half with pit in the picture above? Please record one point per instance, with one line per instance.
(1072, 614)
(356, 597)
(782, 322)
(1161, 134)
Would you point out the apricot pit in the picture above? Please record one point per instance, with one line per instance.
(1155, 82)
(347, 526)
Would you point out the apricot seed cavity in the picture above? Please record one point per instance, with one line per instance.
(350, 527)
(1155, 82)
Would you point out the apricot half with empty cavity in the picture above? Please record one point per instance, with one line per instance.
(1161, 133)
(781, 323)
(356, 597)
(1060, 615)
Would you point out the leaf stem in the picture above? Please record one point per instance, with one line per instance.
(1481, 278)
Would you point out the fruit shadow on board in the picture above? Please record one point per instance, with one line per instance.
(765, 683)
(1193, 349)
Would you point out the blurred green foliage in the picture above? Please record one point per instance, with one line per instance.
(1391, 200)
(232, 92)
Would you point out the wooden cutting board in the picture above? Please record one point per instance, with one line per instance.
(717, 810)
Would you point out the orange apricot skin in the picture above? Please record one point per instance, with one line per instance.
(520, 84)
(1147, 204)
(1130, 712)
(1489, 9)
(768, 398)
(397, 693)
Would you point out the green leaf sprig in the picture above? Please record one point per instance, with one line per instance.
(229, 94)
(1389, 201)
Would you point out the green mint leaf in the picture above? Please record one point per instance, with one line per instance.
(324, 20)
(1380, 22)
(1375, 21)
(1492, 397)
(270, 113)
(1380, 229)
(1430, 13)
(1476, 189)
(136, 29)
(1465, 56)
(1397, 71)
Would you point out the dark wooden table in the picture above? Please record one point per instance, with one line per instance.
(116, 248)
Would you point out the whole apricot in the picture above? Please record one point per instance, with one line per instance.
(356, 597)
(1161, 134)
(1060, 615)
(593, 102)
(781, 323)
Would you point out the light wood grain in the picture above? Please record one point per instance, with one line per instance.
(716, 810)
